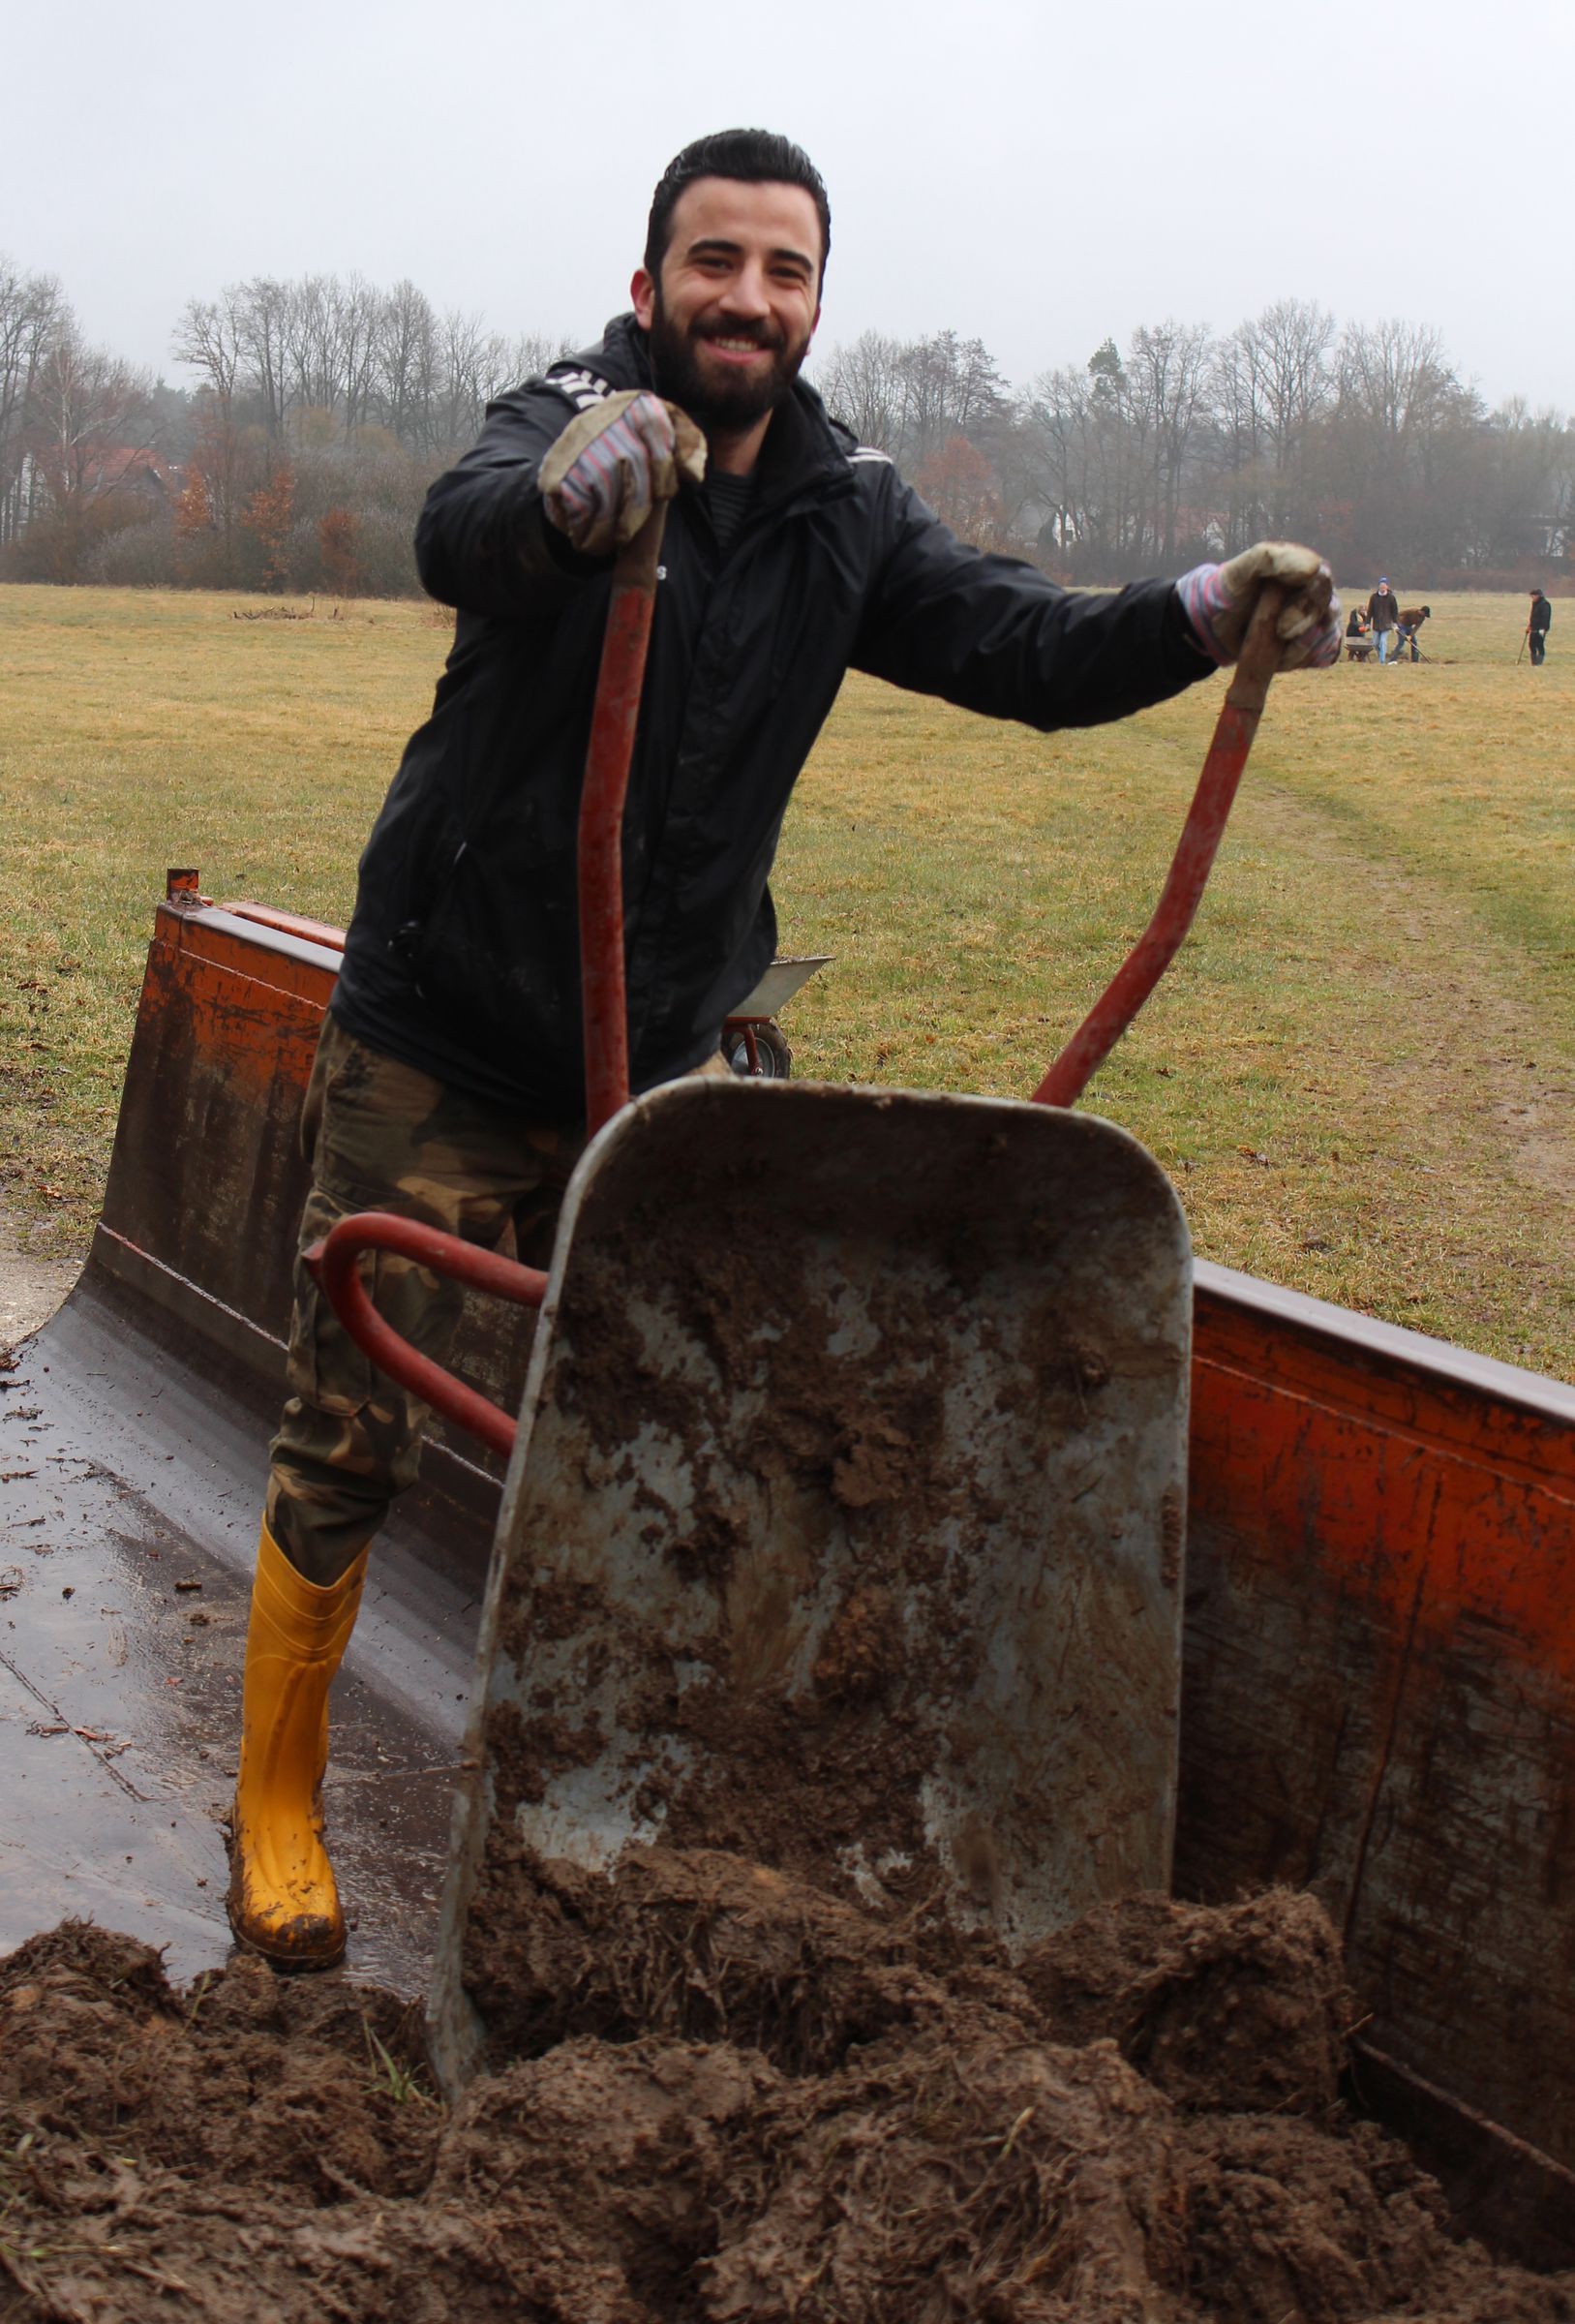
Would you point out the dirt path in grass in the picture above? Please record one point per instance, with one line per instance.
(1479, 1065)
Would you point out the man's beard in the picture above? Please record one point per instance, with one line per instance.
(721, 404)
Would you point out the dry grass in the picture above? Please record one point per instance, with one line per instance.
(1358, 1074)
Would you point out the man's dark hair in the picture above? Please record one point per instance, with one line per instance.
(756, 156)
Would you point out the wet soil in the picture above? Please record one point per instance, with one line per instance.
(746, 2100)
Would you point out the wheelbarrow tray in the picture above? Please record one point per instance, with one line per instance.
(844, 1524)
(782, 979)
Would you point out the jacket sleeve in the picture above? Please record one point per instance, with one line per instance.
(482, 542)
(993, 635)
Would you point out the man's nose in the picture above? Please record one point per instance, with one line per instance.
(746, 293)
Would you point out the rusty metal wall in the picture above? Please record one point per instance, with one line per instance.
(206, 1182)
(1378, 1699)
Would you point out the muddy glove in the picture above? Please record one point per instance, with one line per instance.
(613, 463)
(1218, 600)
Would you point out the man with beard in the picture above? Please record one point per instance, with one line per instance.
(448, 1082)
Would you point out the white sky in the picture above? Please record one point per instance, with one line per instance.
(1036, 175)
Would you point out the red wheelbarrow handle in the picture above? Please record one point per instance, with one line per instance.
(333, 1262)
(603, 1001)
(1200, 835)
(604, 1008)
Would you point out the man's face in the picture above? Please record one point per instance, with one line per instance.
(732, 314)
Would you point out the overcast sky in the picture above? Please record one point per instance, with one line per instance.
(1035, 175)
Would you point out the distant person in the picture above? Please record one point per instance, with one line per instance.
(1358, 625)
(1538, 628)
(1411, 617)
(1384, 613)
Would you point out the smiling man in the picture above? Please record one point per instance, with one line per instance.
(449, 1083)
(729, 298)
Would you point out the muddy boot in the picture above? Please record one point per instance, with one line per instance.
(283, 1898)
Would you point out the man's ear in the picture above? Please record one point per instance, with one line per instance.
(643, 296)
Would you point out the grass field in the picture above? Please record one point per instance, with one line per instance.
(1358, 1074)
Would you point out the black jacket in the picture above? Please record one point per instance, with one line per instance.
(463, 953)
(1541, 613)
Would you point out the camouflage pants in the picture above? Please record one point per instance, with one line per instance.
(379, 1135)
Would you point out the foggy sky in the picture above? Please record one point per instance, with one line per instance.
(1035, 175)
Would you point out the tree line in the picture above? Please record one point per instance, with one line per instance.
(321, 409)
(1183, 445)
(318, 413)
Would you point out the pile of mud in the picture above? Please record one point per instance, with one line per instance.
(745, 2101)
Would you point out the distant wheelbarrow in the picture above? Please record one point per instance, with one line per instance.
(752, 1041)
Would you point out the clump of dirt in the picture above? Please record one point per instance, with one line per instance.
(700, 1946)
(750, 2101)
(1233, 2007)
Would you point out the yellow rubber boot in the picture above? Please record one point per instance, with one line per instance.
(283, 1900)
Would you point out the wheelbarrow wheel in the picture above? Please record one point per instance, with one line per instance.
(776, 1058)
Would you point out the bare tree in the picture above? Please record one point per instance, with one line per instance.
(1393, 377)
(33, 315)
(209, 338)
(1167, 371)
(950, 387)
(1092, 435)
(911, 397)
(1060, 435)
(314, 345)
(263, 307)
(1524, 495)
(1278, 376)
(528, 358)
(466, 357)
(862, 387)
(1272, 382)
(405, 362)
(94, 418)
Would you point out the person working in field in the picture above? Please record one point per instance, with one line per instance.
(448, 1084)
(1538, 623)
(1384, 617)
(1411, 617)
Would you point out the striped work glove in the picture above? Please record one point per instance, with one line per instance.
(1218, 600)
(613, 463)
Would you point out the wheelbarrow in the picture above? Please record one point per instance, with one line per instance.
(859, 1555)
(752, 1041)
